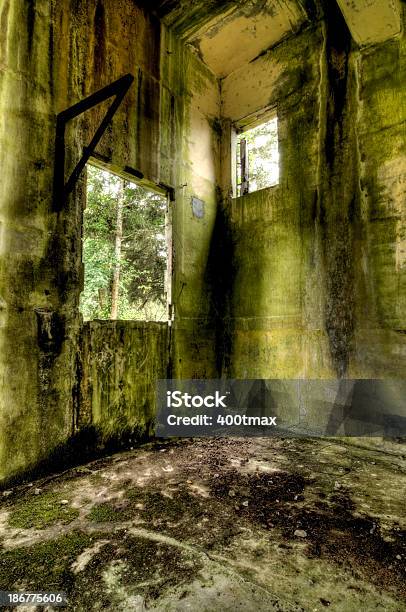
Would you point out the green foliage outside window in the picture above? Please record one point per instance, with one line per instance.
(263, 156)
(133, 249)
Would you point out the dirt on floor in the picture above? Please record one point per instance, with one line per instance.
(215, 525)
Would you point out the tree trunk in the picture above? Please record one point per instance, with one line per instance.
(102, 297)
(117, 253)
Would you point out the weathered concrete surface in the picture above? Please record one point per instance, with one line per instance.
(229, 42)
(216, 525)
(120, 364)
(274, 274)
(197, 175)
(307, 279)
(372, 22)
(194, 21)
(382, 134)
(35, 402)
(228, 34)
(316, 274)
(52, 56)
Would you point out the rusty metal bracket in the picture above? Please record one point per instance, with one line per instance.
(118, 89)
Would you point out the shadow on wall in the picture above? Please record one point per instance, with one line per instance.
(219, 279)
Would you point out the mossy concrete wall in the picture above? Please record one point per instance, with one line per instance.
(121, 362)
(53, 54)
(380, 338)
(306, 279)
(198, 168)
(316, 265)
(276, 318)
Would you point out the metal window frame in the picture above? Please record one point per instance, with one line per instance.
(244, 168)
(62, 189)
(240, 126)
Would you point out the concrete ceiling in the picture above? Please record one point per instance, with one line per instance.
(372, 21)
(240, 34)
(230, 33)
(187, 16)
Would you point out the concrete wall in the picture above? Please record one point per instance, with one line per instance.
(52, 56)
(121, 362)
(381, 129)
(317, 263)
(306, 279)
(276, 319)
(198, 176)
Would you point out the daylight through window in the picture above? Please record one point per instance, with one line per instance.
(258, 157)
(124, 250)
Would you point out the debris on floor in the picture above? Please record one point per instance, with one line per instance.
(215, 525)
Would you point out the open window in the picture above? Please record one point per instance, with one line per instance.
(125, 250)
(257, 156)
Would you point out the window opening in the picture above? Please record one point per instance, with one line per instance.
(125, 251)
(257, 157)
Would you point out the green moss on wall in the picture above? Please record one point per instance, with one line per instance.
(121, 362)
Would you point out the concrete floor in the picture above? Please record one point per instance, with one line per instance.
(216, 525)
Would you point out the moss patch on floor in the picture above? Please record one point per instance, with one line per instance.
(44, 566)
(103, 513)
(203, 525)
(141, 566)
(40, 511)
(123, 567)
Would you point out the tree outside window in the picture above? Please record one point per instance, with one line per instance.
(124, 250)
